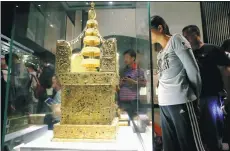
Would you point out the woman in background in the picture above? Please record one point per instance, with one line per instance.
(179, 89)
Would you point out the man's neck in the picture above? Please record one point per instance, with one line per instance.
(198, 45)
(130, 65)
(201, 44)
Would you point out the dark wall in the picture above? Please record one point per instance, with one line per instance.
(216, 21)
(7, 15)
(14, 10)
(21, 18)
(17, 13)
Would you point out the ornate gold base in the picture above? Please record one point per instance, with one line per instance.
(123, 123)
(66, 132)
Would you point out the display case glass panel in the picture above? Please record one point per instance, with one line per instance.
(64, 84)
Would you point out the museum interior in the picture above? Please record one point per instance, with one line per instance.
(83, 76)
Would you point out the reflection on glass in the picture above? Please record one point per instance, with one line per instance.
(35, 30)
(34, 81)
(19, 94)
(132, 80)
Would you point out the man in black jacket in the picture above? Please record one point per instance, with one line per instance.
(209, 58)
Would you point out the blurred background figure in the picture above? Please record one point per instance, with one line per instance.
(45, 78)
(132, 78)
(54, 104)
(32, 89)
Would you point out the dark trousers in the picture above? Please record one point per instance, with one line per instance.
(211, 122)
(226, 131)
(130, 107)
(227, 123)
(180, 129)
(228, 128)
(49, 120)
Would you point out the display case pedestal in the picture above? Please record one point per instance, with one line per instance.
(126, 141)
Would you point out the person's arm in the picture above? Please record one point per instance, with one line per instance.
(183, 50)
(228, 54)
(222, 59)
(5, 72)
(56, 106)
(56, 109)
(130, 81)
(34, 82)
(227, 69)
(140, 81)
(141, 78)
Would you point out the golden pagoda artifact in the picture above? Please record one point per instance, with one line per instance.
(88, 106)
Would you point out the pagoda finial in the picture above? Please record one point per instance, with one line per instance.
(92, 5)
(92, 13)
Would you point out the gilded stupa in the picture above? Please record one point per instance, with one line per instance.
(91, 42)
(88, 98)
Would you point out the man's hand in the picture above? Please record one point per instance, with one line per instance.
(130, 81)
(227, 71)
(121, 81)
(56, 109)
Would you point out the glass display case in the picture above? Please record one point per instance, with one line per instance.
(81, 77)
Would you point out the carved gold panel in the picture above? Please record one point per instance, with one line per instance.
(88, 78)
(63, 54)
(88, 105)
(66, 132)
(109, 56)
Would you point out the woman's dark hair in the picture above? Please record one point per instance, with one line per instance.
(156, 21)
(45, 78)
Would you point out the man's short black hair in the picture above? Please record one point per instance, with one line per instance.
(226, 45)
(131, 52)
(191, 29)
